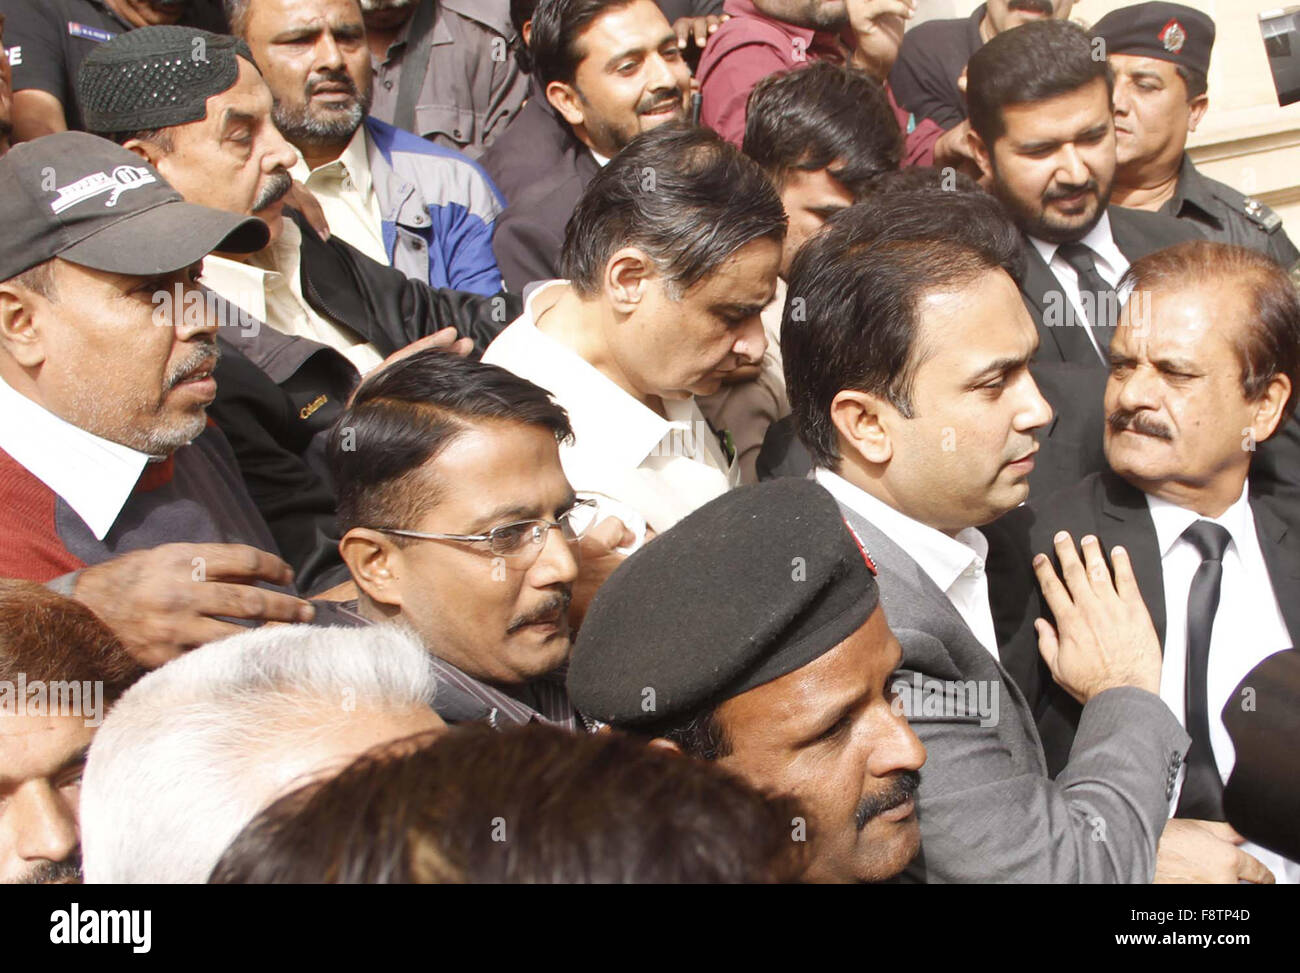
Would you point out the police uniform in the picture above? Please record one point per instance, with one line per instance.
(1227, 216)
(1184, 36)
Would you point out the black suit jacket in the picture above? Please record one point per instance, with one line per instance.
(1116, 513)
(542, 169)
(1137, 233)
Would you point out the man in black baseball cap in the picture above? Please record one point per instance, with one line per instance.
(1160, 53)
(752, 634)
(106, 451)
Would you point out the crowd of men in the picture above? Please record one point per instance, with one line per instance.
(619, 441)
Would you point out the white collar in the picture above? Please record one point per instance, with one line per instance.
(943, 558)
(1099, 240)
(1171, 521)
(93, 476)
(601, 160)
(605, 417)
(353, 160)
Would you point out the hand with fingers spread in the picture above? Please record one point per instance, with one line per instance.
(1103, 637)
(1205, 853)
(166, 600)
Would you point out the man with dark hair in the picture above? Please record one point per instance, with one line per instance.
(764, 37)
(823, 134)
(1040, 113)
(1160, 53)
(450, 486)
(751, 635)
(49, 39)
(671, 256)
(908, 372)
(331, 312)
(927, 77)
(599, 809)
(107, 456)
(442, 69)
(62, 663)
(401, 200)
(605, 71)
(1204, 365)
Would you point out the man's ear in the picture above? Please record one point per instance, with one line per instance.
(564, 98)
(627, 278)
(1196, 109)
(375, 564)
(20, 331)
(863, 421)
(661, 743)
(145, 150)
(983, 153)
(1268, 411)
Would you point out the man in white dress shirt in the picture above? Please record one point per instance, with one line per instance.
(908, 373)
(1191, 392)
(671, 256)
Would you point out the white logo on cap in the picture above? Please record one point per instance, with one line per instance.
(117, 182)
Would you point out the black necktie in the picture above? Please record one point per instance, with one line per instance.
(1202, 795)
(1098, 298)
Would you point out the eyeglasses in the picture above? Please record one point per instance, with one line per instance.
(524, 537)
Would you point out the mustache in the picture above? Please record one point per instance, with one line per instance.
(1061, 192)
(1043, 7)
(1121, 420)
(65, 872)
(903, 787)
(558, 603)
(277, 187)
(204, 357)
(657, 100)
(331, 77)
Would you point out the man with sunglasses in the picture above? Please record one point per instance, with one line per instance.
(450, 485)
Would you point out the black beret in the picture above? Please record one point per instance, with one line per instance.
(156, 77)
(750, 587)
(1168, 31)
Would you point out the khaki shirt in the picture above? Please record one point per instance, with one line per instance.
(472, 87)
(346, 192)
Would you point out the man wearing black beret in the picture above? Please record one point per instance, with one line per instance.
(1160, 53)
(752, 634)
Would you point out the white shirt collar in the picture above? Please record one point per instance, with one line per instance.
(606, 419)
(943, 558)
(1110, 262)
(354, 161)
(601, 160)
(1171, 520)
(93, 476)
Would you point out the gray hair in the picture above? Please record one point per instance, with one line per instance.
(194, 750)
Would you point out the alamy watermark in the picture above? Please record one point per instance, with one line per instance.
(83, 699)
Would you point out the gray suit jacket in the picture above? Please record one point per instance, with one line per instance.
(988, 811)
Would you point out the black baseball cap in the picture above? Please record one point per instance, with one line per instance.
(94, 203)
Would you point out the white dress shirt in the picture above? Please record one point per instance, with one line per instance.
(269, 286)
(662, 467)
(1111, 266)
(345, 189)
(1248, 628)
(954, 564)
(93, 476)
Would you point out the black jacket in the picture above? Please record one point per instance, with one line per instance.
(542, 169)
(1116, 513)
(1137, 233)
(278, 394)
